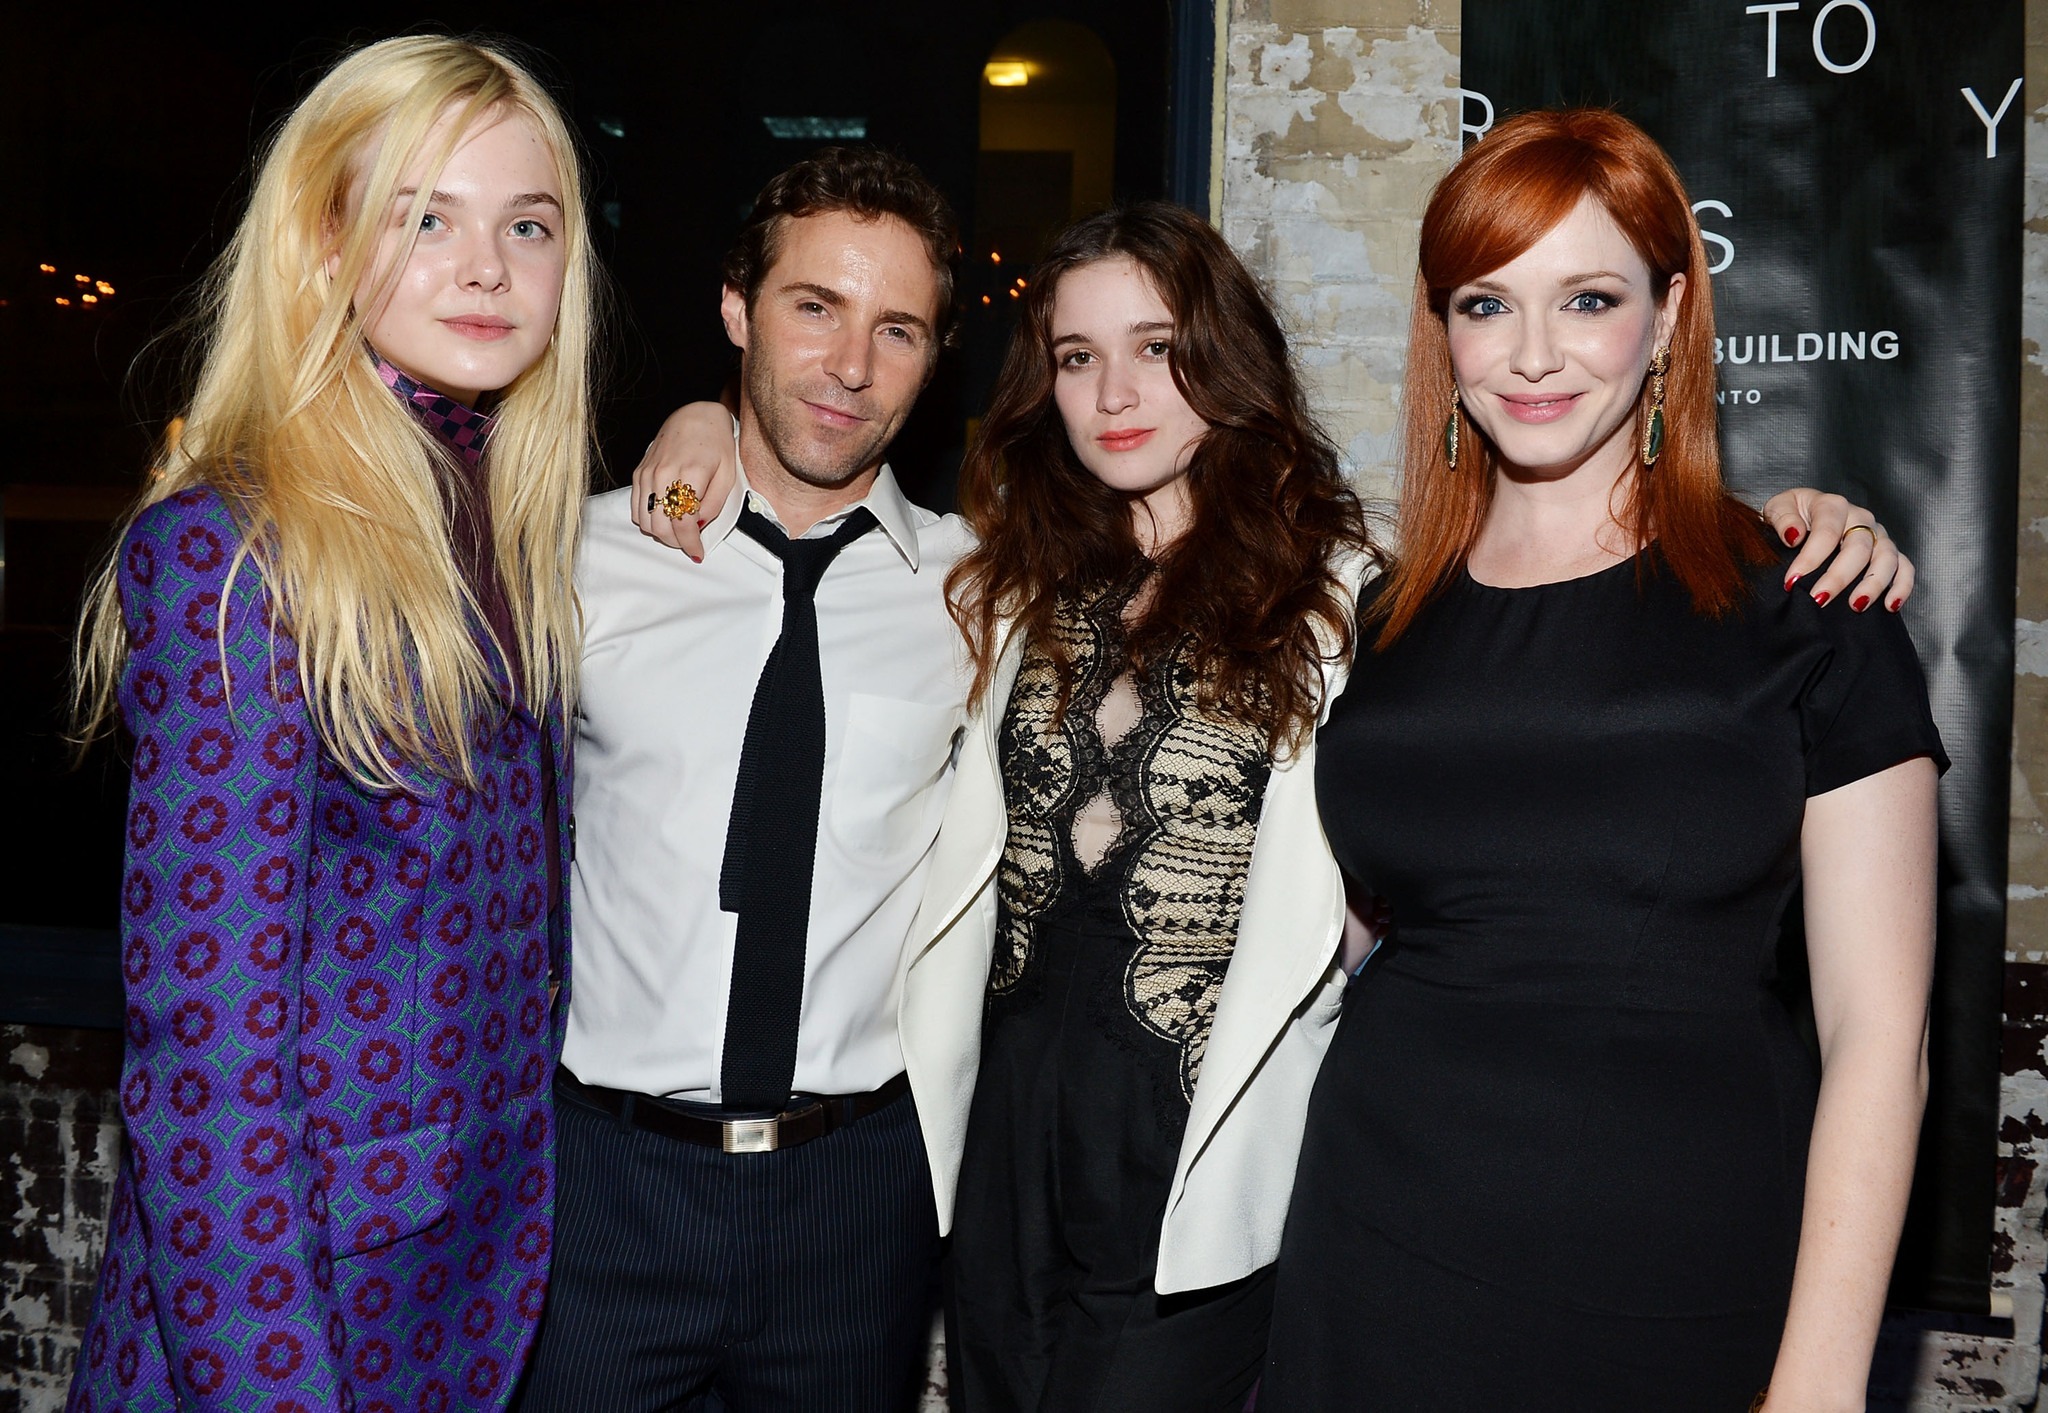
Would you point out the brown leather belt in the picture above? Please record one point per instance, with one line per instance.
(788, 1129)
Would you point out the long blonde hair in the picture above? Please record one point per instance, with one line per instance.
(336, 487)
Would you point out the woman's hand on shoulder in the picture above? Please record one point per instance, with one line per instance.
(694, 447)
(1867, 569)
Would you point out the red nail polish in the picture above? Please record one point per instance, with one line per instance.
(1792, 535)
(1862, 602)
(1790, 582)
(1822, 599)
(1894, 605)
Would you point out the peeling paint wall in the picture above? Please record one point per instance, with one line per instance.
(2021, 1249)
(1342, 115)
(60, 1139)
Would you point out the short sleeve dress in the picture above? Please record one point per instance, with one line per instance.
(1564, 1120)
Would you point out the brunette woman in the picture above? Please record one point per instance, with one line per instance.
(341, 632)
(1157, 612)
(1588, 749)
(1168, 554)
(1130, 866)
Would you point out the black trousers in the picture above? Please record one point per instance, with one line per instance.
(689, 1279)
(1076, 1126)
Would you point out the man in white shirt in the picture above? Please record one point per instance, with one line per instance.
(764, 748)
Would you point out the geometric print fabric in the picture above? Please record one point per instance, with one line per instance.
(344, 1009)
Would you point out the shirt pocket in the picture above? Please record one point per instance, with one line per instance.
(885, 803)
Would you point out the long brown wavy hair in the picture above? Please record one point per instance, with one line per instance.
(1503, 196)
(1252, 592)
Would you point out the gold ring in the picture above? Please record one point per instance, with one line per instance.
(1865, 529)
(679, 499)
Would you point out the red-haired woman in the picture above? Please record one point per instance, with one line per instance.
(1121, 982)
(1588, 750)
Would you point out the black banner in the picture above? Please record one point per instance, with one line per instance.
(1856, 169)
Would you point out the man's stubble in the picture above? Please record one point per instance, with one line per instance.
(782, 419)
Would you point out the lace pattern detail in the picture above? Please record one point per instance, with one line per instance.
(1187, 786)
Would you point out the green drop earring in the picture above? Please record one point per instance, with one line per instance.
(1653, 432)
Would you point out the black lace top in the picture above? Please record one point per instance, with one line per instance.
(1186, 788)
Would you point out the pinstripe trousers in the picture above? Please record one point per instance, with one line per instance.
(689, 1279)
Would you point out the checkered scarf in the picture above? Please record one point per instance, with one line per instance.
(463, 430)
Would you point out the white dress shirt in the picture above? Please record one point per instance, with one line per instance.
(671, 654)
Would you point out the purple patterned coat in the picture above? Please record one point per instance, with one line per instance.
(338, 1185)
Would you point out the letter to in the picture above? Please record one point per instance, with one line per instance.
(1869, 36)
(1770, 13)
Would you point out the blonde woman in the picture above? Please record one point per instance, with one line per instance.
(341, 631)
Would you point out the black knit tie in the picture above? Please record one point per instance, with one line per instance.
(771, 842)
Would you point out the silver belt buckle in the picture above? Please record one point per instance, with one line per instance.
(752, 1135)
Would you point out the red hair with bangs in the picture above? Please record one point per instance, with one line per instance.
(1503, 196)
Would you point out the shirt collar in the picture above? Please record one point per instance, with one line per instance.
(884, 501)
(463, 430)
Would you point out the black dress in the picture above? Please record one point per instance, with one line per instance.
(1104, 983)
(1562, 1127)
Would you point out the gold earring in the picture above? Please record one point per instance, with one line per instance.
(1653, 432)
(1451, 431)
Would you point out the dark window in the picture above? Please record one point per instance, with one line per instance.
(126, 154)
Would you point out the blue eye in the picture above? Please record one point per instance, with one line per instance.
(530, 230)
(1482, 306)
(427, 221)
(1589, 302)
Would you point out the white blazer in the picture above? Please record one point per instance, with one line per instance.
(1274, 1017)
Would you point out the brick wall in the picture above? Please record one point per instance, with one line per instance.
(2020, 1252)
(1342, 115)
(60, 1137)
